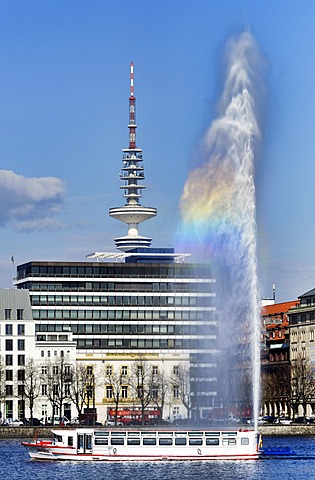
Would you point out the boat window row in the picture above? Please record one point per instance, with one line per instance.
(123, 328)
(53, 314)
(149, 343)
(125, 270)
(179, 441)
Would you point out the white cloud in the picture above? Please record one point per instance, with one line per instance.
(29, 203)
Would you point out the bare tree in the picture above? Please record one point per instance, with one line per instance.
(58, 381)
(303, 382)
(79, 380)
(141, 382)
(276, 389)
(2, 385)
(30, 385)
(114, 381)
(181, 384)
(90, 394)
(160, 389)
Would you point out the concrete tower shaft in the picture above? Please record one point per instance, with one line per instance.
(132, 173)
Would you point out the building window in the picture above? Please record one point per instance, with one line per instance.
(9, 345)
(9, 375)
(109, 391)
(9, 390)
(21, 375)
(21, 345)
(9, 360)
(155, 393)
(21, 360)
(124, 370)
(20, 313)
(55, 370)
(42, 353)
(89, 370)
(109, 370)
(44, 369)
(176, 391)
(155, 370)
(89, 391)
(124, 391)
(7, 313)
(176, 370)
(9, 329)
(44, 411)
(21, 390)
(21, 329)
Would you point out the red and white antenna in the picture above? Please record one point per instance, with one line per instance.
(132, 111)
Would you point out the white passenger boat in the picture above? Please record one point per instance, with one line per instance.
(145, 445)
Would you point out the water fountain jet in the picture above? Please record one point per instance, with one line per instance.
(218, 212)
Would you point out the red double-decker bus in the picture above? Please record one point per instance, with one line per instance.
(133, 416)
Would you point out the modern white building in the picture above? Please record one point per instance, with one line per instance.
(17, 341)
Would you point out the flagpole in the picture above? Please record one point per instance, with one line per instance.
(12, 263)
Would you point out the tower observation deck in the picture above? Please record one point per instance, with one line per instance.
(132, 174)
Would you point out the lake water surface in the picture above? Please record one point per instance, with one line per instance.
(15, 464)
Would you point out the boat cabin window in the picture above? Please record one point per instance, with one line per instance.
(58, 438)
(70, 441)
(229, 441)
(195, 441)
(101, 441)
(180, 441)
(133, 441)
(117, 441)
(212, 441)
(149, 441)
(165, 441)
(245, 441)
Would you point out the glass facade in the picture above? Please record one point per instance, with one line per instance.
(124, 306)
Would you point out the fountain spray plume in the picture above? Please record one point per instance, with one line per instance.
(218, 212)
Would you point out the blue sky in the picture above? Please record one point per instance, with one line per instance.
(64, 87)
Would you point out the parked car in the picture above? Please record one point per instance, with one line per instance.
(89, 422)
(56, 420)
(35, 422)
(111, 423)
(233, 419)
(285, 421)
(10, 422)
(303, 420)
(270, 419)
(74, 421)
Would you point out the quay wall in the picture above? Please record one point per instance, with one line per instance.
(45, 432)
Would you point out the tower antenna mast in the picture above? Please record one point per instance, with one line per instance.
(132, 111)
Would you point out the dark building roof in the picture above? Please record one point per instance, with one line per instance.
(310, 293)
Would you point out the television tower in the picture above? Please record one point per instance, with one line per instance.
(132, 172)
